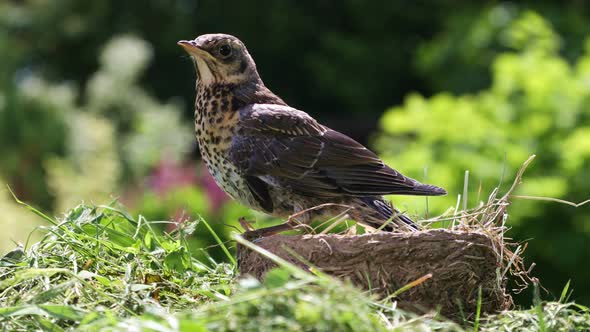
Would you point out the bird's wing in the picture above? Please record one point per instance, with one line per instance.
(279, 143)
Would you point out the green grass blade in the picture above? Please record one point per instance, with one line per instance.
(63, 312)
(220, 243)
(465, 190)
(477, 311)
(539, 308)
(563, 297)
(31, 208)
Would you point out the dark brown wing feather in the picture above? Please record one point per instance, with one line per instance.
(284, 145)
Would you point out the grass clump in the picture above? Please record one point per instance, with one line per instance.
(550, 316)
(99, 262)
(278, 305)
(100, 269)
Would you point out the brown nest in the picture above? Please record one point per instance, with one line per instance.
(440, 269)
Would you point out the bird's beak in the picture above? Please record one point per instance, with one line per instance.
(192, 48)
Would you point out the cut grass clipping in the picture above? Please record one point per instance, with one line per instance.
(100, 269)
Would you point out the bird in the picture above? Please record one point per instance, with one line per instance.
(279, 160)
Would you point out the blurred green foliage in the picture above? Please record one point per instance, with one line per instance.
(537, 103)
(458, 57)
(96, 99)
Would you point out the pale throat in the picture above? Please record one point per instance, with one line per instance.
(205, 75)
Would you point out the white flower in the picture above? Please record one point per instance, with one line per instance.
(126, 56)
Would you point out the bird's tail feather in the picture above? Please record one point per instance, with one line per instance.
(385, 213)
(427, 190)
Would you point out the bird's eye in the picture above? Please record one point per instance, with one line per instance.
(225, 50)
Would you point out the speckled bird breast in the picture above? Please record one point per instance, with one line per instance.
(215, 124)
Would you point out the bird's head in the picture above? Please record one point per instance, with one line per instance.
(221, 58)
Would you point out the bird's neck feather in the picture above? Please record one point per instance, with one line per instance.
(253, 92)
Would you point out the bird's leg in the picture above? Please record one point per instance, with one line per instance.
(245, 224)
(298, 220)
(251, 234)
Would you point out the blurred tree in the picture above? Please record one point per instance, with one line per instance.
(537, 104)
(354, 58)
(459, 55)
(327, 59)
